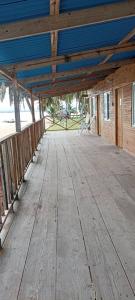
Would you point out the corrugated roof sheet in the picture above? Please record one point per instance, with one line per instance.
(70, 5)
(94, 36)
(35, 72)
(79, 64)
(14, 10)
(24, 49)
(121, 56)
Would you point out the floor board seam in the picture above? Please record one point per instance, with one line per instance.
(33, 227)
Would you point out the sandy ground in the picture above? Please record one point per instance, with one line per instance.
(8, 128)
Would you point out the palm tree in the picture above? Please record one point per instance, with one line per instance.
(68, 99)
(2, 91)
(83, 102)
(52, 104)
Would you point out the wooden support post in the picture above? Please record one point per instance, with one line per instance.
(17, 110)
(32, 109)
(40, 108)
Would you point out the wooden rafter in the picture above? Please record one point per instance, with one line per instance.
(72, 79)
(67, 90)
(68, 84)
(98, 52)
(54, 11)
(81, 71)
(94, 15)
(11, 77)
(124, 40)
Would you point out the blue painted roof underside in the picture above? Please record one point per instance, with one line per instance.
(24, 49)
(14, 10)
(121, 56)
(79, 64)
(35, 72)
(94, 36)
(70, 5)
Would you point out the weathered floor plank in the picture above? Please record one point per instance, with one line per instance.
(16, 246)
(73, 273)
(73, 236)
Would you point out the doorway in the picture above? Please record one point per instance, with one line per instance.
(119, 117)
(98, 115)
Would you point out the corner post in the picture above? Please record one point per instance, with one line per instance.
(17, 108)
(40, 107)
(32, 108)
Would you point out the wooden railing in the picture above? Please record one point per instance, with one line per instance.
(16, 153)
(63, 122)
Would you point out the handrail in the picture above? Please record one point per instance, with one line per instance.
(16, 153)
(70, 121)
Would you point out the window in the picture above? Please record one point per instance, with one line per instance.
(106, 106)
(93, 106)
(133, 105)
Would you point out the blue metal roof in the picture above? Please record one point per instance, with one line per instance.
(94, 36)
(79, 64)
(121, 56)
(35, 72)
(70, 5)
(28, 48)
(32, 84)
(14, 10)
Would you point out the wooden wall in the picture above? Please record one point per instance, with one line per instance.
(122, 78)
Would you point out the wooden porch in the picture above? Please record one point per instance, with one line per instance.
(73, 235)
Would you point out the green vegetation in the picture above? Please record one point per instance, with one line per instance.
(72, 123)
(65, 112)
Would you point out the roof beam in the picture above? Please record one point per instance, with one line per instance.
(12, 77)
(67, 20)
(67, 90)
(124, 40)
(67, 85)
(87, 76)
(81, 71)
(54, 11)
(56, 60)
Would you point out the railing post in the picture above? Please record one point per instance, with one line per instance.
(32, 108)
(17, 108)
(16, 153)
(4, 180)
(40, 108)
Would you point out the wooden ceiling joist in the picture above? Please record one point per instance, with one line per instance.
(94, 15)
(68, 85)
(10, 77)
(68, 90)
(54, 11)
(81, 71)
(56, 60)
(87, 76)
(124, 40)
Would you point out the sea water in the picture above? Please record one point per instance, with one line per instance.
(25, 116)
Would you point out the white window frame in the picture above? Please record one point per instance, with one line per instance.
(133, 105)
(93, 106)
(106, 106)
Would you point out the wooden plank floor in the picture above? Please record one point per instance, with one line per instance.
(73, 234)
